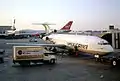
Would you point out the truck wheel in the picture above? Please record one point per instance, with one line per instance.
(24, 63)
(52, 61)
(1, 60)
(114, 63)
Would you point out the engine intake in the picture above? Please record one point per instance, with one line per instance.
(47, 38)
(55, 31)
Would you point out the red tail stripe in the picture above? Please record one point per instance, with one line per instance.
(67, 26)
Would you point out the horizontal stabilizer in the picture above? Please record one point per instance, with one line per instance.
(43, 24)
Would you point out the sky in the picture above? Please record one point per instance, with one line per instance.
(85, 14)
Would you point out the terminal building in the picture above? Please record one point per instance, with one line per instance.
(3, 29)
(6, 31)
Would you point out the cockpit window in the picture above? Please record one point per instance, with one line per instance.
(103, 43)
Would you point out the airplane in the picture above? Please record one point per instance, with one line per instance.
(65, 28)
(92, 45)
(41, 33)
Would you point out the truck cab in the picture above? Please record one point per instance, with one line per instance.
(25, 55)
(112, 58)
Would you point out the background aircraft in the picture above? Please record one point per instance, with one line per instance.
(48, 30)
(66, 28)
(41, 33)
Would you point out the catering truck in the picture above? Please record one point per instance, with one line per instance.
(25, 55)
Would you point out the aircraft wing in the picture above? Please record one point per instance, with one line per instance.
(38, 44)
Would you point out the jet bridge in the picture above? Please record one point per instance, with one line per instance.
(113, 37)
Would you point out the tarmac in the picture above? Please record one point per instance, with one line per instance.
(67, 68)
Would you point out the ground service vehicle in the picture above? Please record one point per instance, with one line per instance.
(33, 40)
(25, 55)
(113, 58)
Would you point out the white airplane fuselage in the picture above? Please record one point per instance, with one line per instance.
(89, 44)
(62, 31)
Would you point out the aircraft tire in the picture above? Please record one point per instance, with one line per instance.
(114, 63)
(97, 59)
(52, 61)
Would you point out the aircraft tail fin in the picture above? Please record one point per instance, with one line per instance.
(67, 26)
(13, 27)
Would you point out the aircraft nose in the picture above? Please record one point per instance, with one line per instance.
(110, 48)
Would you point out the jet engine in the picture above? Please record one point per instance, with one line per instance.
(47, 38)
(55, 31)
